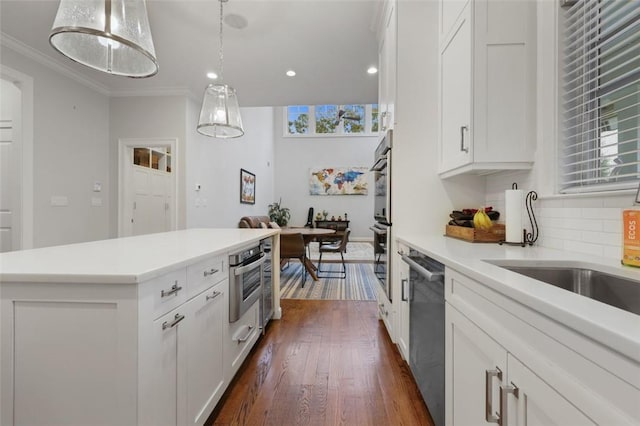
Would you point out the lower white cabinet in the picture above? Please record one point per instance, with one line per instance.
(404, 314)
(506, 363)
(120, 354)
(205, 360)
(239, 339)
(385, 312)
(488, 384)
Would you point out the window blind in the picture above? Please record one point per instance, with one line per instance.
(601, 96)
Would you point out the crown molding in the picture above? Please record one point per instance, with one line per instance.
(33, 54)
(155, 91)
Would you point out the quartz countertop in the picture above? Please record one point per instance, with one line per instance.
(127, 260)
(613, 327)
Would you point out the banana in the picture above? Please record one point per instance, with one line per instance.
(481, 220)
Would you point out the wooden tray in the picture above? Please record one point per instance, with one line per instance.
(496, 234)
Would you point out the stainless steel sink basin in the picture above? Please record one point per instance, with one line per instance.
(620, 292)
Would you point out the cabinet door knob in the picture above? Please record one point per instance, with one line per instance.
(246, 336)
(403, 284)
(489, 416)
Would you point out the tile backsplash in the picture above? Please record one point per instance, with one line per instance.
(587, 225)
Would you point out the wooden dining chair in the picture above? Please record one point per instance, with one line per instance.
(337, 247)
(292, 247)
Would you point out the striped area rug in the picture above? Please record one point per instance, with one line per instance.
(360, 283)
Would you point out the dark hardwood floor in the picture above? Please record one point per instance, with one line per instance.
(325, 362)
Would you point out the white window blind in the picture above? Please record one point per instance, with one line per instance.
(601, 96)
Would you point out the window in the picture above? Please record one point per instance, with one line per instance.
(331, 120)
(601, 102)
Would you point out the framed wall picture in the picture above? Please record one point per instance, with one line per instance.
(247, 187)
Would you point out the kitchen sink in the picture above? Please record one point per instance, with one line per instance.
(617, 291)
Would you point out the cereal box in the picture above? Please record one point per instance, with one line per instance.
(631, 237)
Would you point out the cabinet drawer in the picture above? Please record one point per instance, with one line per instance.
(241, 335)
(168, 291)
(205, 273)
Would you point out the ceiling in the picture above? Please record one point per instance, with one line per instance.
(329, 43)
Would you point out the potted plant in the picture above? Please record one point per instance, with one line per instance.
(278, 214)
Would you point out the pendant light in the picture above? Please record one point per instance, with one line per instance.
(220, 113)
(112, 36)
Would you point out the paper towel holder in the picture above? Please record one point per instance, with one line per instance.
(527, 237)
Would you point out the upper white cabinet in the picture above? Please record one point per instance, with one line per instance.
(387, 65)
(487, 86)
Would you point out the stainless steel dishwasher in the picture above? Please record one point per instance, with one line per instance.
(426, 329)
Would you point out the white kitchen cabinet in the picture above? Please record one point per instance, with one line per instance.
(480, 367)
(143, 340)
(162, 370)
(491, 352)
(487, 86)
(385, 312)
(403, 340)
(387, 65)
(239, 339)
(207, 313)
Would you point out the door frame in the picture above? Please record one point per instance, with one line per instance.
(25, 138)
(125, 147)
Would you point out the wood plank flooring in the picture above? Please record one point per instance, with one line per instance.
(326, 362)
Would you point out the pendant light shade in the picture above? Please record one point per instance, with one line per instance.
(112, 36)
(220, 113)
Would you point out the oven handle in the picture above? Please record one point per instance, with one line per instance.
(427, 274)
(253, 265)
(380, 164)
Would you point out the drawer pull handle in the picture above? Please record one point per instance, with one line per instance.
(488, 395)
(174, 290)
(246, 337)
(462, 147)
(213, 296)
(504, 399)
(173, 323)
(211, 271)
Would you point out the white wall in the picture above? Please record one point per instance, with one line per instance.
(293, 159)
(585, 223)
(215, 164)
(421, 200)
(70, 145)
(149, 117)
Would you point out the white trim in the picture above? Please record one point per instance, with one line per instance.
(45, 60)
(25, 84)
(123, 145)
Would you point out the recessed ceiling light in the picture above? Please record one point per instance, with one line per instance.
(291, 73)
(212, 75)
(372, 70)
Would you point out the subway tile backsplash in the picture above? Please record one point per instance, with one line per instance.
(587, 225)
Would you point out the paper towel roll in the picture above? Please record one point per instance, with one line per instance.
(513, 215)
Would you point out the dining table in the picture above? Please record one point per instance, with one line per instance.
(309, 235)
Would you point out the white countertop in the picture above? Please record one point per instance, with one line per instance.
(617, 329)
(123, 260)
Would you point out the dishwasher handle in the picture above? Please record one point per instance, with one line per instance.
(427, 274)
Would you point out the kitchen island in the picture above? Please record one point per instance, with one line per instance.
(124, 331)
(519, 348)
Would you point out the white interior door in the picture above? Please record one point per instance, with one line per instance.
(10, 187)
(146, 186)
(151, 201)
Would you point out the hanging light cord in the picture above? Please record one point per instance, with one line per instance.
(221, 52)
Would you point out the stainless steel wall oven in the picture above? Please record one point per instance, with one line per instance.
(382, 212)
(245, 280)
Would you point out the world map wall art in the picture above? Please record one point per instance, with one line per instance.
(338, 181)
